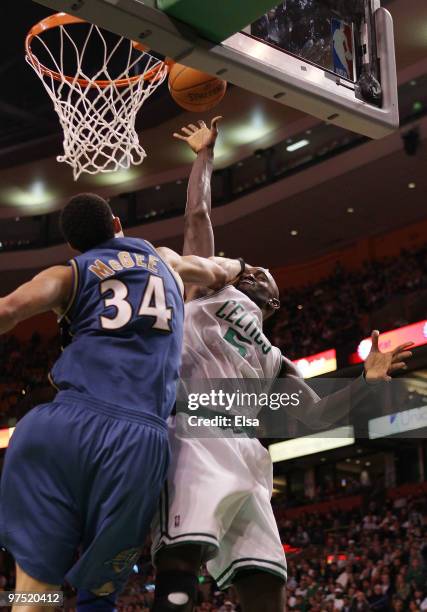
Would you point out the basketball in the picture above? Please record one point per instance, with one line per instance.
(194, 90)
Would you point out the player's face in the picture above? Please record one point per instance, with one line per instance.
(261, 288)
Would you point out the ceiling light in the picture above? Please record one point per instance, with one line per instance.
(297, 145)
(350, 210)
(257, 126)
(294, 233)
(37, 189)
(117, 177)
(412, 185)
(35, 194)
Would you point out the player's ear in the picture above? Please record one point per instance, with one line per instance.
(118, 230)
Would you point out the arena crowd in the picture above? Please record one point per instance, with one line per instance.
(371, 558)
(338, 309)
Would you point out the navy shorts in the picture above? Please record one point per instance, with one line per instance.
(80, 485)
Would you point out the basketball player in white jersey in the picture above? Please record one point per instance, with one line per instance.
(216, 505)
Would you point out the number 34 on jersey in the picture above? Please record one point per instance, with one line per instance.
(115, 293)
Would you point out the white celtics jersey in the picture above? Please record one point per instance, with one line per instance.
(223, 338)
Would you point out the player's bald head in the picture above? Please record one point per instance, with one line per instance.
(274, 287)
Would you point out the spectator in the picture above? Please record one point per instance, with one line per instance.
(359, 603)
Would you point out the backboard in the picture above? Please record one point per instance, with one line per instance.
(333, 59)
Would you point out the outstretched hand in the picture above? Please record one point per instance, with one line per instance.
(380, 366)
(201, 137)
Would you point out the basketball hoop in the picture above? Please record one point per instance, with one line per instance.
(97, 107)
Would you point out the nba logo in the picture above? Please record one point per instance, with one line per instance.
(177, 520)
(343, 49)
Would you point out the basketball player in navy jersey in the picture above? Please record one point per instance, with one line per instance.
(71, 481)
(216, 507)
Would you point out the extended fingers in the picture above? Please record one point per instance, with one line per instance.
(401, 365)
(402, 356)
(402, 347)
(179, 136)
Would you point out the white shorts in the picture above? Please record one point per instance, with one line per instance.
(218, 494)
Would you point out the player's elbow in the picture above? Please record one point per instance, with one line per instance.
(198, 217)
(8, 318)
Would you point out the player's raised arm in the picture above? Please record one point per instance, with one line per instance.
(319, 413)
(49, 290)
(213, 273)
(198, 232)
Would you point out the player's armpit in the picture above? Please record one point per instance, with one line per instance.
(49, 290)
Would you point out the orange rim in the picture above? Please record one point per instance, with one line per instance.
(61, 19)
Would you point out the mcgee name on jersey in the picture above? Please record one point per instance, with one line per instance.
(124, 261)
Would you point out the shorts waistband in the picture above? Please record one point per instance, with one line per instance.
(111, 410)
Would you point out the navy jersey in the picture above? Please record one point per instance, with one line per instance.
(125, 322)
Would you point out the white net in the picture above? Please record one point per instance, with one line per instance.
(98, 105)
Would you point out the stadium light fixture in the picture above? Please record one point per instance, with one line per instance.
(116, 178)
(36, 194)
(300, 144)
